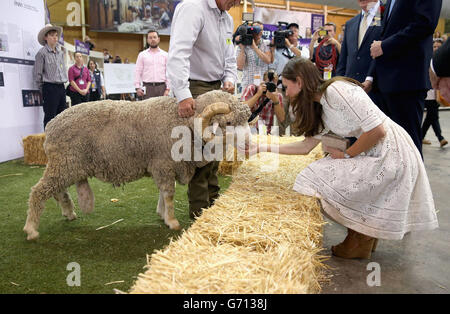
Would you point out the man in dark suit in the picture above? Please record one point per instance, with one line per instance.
(402, 58)
(355, 60)
(440, 70)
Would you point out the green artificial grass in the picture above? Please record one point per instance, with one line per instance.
(115, 253)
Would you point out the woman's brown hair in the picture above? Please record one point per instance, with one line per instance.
(307, 111)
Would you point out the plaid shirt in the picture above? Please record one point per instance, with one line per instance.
(49, 66)
(253, 64)
(268, 112)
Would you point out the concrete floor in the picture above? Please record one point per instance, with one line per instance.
(420, 263)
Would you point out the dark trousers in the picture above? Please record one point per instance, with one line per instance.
(406, 109)
(77, 98)
(94, 95)
(154, 90)
(54, 97)
(432, 119)
(204, 188)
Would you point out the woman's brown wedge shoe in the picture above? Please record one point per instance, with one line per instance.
(355, 245)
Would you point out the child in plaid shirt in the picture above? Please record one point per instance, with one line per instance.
(255, 96)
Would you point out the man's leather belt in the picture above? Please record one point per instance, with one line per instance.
(154, 83)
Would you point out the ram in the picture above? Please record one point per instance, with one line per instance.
(119, 142)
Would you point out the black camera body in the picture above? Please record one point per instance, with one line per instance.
(281, 34)
(271, 86)
(245, 33)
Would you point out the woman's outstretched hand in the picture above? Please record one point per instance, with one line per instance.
(251, 149)
(334, 153)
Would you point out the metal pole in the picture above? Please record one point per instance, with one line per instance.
(83, 21)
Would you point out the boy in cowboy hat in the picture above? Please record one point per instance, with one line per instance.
(50, 72)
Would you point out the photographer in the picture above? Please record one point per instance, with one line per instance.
(253, 59)
(291, 50)
(326, 54)
(266, 99)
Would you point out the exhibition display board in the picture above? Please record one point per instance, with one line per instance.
(119, 78)
(21, 111)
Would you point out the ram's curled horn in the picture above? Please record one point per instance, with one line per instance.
(210, 111)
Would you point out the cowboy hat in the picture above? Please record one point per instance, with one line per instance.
(45, 30)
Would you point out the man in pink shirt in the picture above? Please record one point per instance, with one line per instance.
(151, 69)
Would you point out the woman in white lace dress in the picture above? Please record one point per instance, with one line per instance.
(378, 187)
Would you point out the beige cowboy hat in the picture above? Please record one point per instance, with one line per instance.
(45, 30)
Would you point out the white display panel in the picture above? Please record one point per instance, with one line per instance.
(20, 113)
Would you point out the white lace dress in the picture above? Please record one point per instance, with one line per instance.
(383, 193)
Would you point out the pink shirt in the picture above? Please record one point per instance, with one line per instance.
(151, 67)
(83, 81)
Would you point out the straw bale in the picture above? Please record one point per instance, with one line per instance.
(259, 237)
(33, 149)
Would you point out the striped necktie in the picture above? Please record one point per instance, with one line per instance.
(362, 29)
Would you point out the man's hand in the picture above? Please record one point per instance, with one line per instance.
(315, 36)
(434, 79)
(140, 92)
(367, 86)
(272, 96)
(287, 43)
(261, 89)
(83, 92)
(228, 87)
(166, 92)
(254, 46)
(375, 49)
(186, 108)
(444, 88)
(332, 41)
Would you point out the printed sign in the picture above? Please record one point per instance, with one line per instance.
(81, 47)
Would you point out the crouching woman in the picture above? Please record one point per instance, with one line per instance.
(378, 187)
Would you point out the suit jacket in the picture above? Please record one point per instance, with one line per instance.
(356, 62)
(441, 60)
(407, 45)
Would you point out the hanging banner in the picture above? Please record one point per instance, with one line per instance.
(21, 111)
(137, 16)
(82, 47)
(317, 21)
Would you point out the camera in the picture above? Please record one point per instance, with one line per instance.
(323, 32)
(281, 34)
(271, 86)
(245, 33)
